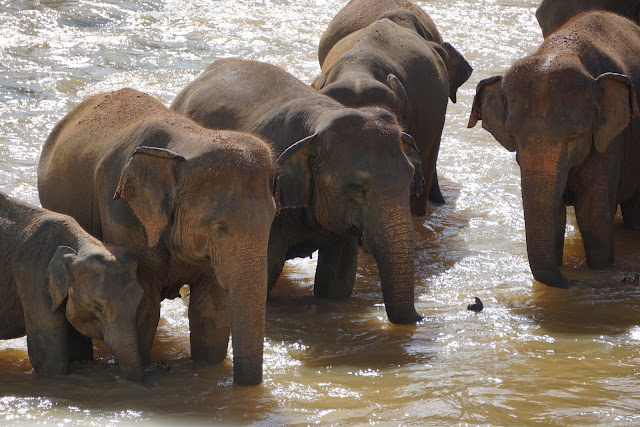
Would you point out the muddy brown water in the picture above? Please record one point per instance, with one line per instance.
(534, 355)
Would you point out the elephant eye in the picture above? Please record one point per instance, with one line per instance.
(357, 188)
(222, 227)
(97, 306)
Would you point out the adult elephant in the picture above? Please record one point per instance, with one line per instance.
(194, 205)
(388, 65)
(358, 14)
(553, 14)
(569, 111)
(343, 175)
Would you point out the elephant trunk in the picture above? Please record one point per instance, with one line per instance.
(543, 184)
(247, 290)
(388, 235)
(124, 346)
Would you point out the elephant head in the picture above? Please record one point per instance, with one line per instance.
(352, 176)
(560, 121)
(211, 206)
(367, 91)
(102, 294)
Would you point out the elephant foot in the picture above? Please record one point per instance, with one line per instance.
(247, 370)
(631, 215)
(418, 205)
(214, 350)
(435, 194)
(80, 347)
(336, 270)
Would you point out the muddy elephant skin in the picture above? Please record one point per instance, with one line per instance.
(553, 14)
(385, 64)
(570, 111)
(61, 287)
(194, 205)
(342, 175)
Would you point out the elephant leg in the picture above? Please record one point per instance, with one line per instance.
(427, 135)
(595, 207)
(336, 270)
(209, 323)
(435, 194)
(631, 212)
(560, 230)
(48, 352)
(148, 318)
(80, 346)
(418, 205)
(276, 256)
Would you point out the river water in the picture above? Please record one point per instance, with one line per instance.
(535, 354)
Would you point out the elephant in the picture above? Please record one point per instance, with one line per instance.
(388, 65)
(553, 14)
(194, 205)
(358, 14)
(342, 174)
(61, 287)
(570, 113)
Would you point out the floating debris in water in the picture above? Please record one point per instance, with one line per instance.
(628, 280)
(477, 307)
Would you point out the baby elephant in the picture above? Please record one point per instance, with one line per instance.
(59, 282)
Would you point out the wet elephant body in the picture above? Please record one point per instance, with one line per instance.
(342, 174)
(388, 65)
(359, 14)
(193, 204)
(553, 14)
(61, 287)
(570, 111)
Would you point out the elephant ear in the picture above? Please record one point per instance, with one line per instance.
(490, 106)
(403, 107)
(319, 82)
(458, 70)
(147, 185)
(618, 104)
(293, 185)
(410, 150)
(59, 271)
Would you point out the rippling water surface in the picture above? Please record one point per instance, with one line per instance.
(535, 354)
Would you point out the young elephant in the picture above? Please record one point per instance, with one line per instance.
(343, 175)
(358, 14)
(553, 14)
(59, 282)
(570, 111)
(193, 204)
(388, 65)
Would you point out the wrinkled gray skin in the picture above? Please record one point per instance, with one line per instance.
(569, 111)
(59, 282)
(194, 205)
(358, 14)
(385, 64)
(343, 175)
(552, 14)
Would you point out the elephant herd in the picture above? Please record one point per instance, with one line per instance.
(250, 167)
